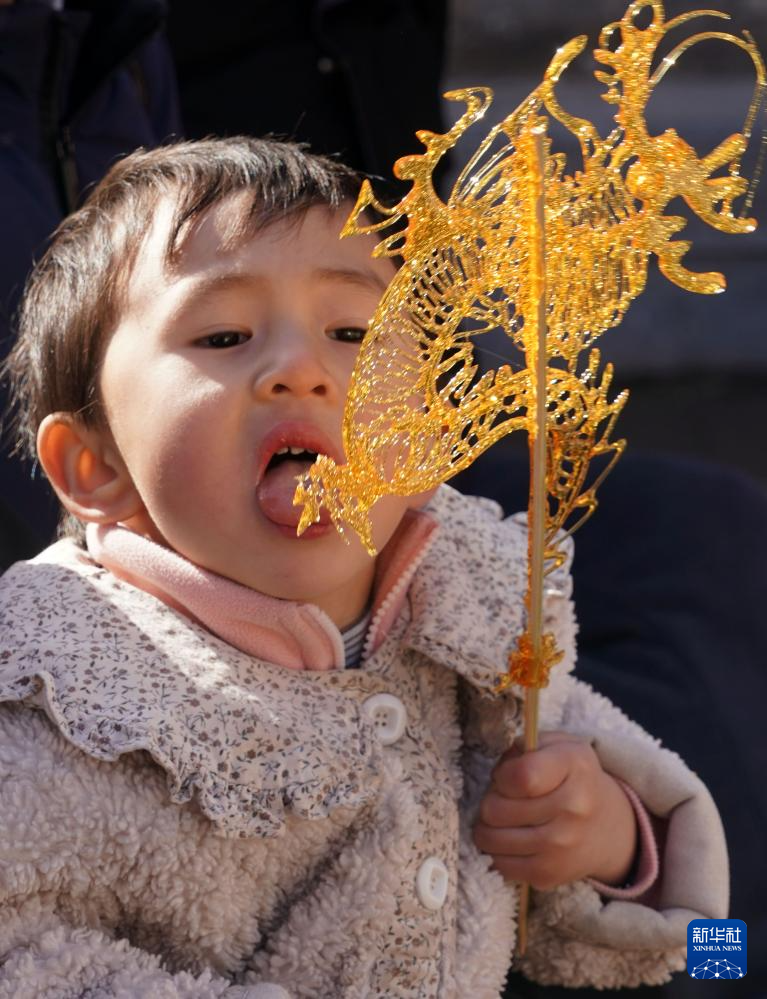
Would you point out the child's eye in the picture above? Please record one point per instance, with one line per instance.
(224, 339)
(349, 334)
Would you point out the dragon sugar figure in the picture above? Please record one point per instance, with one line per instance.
(553, 259)
(416, 412)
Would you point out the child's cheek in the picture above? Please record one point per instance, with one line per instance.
(420, 500)
(194, 457)
(387, 515)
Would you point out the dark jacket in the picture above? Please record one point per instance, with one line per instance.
(78, 89)
(353, 77)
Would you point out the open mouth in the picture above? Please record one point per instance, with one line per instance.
(291, 455)
(287, 453)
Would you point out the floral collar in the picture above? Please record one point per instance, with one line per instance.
(117, 670)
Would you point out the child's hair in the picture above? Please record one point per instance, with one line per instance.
(74, 295)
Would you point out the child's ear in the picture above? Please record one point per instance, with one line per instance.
(86, 470)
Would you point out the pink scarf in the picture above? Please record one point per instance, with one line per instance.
(294, 635)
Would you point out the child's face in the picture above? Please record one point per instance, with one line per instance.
(234, 356)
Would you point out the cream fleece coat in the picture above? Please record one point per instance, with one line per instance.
(179, 819)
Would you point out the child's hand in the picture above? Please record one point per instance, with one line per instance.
(553, 816)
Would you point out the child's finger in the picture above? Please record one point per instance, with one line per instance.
(526, 841)
(539, 855)
(539, 871)
(533, 774)
(499, 811)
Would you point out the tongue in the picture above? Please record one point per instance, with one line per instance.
(275, 494)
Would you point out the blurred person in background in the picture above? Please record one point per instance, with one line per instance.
(81, 83)
(353, 78)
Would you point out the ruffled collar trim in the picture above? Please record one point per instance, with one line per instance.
(250, 740)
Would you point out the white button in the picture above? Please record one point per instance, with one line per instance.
(431, 883)
(388, 715)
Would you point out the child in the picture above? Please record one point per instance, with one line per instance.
(197, 799)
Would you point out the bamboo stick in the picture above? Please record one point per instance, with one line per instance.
(536, 359)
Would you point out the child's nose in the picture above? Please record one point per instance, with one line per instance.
(293, 365)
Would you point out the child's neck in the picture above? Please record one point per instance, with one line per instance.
(296, 635)
(343, 606)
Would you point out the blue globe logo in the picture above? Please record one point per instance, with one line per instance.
(716, 969)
